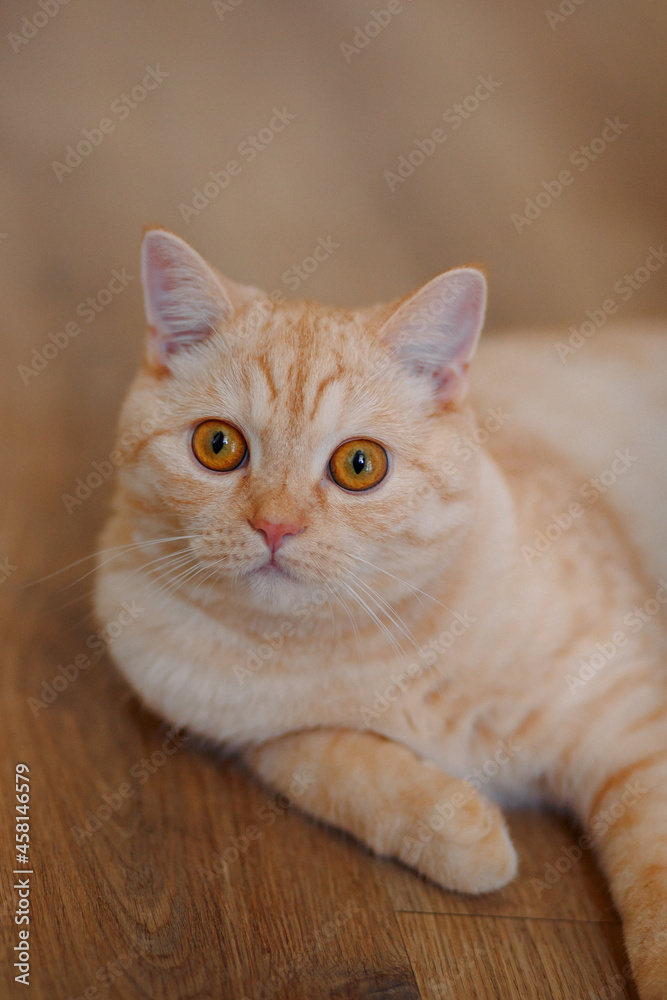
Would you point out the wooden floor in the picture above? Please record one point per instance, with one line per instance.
(161, 871)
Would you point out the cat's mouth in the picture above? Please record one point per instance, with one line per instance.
(272, 571)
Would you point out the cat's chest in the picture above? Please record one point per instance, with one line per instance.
(230, 688)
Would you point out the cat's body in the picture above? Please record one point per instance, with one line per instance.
(510, 555)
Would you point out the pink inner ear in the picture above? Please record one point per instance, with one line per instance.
(436, 331)
(451, 384)
(185, 302)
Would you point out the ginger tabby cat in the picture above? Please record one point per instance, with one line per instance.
(413, 594)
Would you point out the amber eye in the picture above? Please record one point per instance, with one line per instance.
(358, 465)
(218, 445)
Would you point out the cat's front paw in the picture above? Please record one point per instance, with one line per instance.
(468, 850)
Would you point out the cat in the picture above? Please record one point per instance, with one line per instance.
(423, 588)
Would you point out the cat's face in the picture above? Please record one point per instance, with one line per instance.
(299, 448)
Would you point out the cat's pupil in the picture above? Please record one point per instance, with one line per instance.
(359, 462)
(218, 441)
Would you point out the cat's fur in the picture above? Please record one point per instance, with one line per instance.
(514, 645)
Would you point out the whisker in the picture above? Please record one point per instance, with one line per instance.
(340, 600)
(415, 590)
(116, 556)
(114, 548)
(214, 572)
(186, 573)
(176, 561)
(89, 593)
(386, 609)
(378, 621)
(333, 623)
(172, 582)
(210, 586)
(180, 554)
(435, 674)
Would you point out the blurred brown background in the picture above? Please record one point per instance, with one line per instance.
(360, 102)
(555, 71)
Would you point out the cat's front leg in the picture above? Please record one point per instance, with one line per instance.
(627, 819)
(395, 802)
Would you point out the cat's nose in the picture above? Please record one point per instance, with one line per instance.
(275, 532)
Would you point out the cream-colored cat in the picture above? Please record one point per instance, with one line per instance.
(349, 568)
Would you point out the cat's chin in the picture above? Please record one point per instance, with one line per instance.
(273, 588)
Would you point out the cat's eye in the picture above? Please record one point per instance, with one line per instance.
(218, 445)
(358, 465)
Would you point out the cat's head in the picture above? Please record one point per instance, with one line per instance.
(294, 447)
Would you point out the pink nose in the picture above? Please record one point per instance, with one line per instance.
(274, 533)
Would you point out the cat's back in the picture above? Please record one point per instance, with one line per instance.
(602, 405)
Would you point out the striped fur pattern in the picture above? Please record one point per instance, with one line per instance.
(484, 627)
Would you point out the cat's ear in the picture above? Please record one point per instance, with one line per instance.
(186, 300)
(435, 332)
